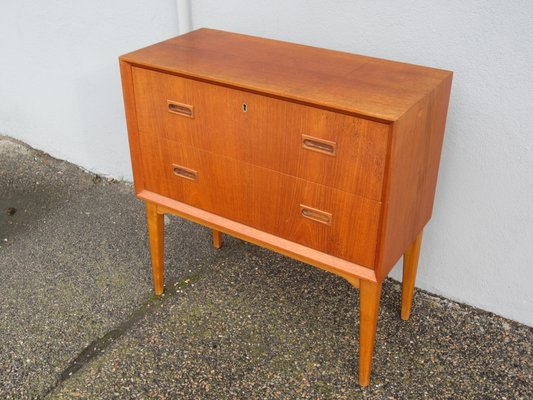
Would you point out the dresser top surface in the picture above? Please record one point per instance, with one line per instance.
(369, 87)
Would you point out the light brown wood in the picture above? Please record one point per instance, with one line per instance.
(366, 86)
(327, 157)
(369, 297)
(131, 121)
(349, 271)
(183, 110)
(156, 234)
(410, 265)
(217, 239)
(411, 175)
(220, 126)
(267, 200)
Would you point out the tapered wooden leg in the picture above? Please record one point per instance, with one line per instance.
(156, 232)
(410, 265)
(369, 296)
(217, 239)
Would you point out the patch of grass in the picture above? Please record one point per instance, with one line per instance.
(187, 281)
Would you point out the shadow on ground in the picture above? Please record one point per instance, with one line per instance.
(78, 319)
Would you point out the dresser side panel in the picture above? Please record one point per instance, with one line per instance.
(412, 175)
(436, 121)
(131, 123)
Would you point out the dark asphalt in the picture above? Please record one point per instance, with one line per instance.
(78, 318)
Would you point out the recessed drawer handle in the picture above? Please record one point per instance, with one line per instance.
(320, 145)
(180, 108)
(316, 215)
(186, 173)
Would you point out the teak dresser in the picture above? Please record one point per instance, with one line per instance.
(327, 157)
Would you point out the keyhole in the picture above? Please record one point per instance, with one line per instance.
(244, 107)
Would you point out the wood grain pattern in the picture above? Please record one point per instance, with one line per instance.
(411, 175)
(369, 298)
(267, 200)
(156, 235)
(217, 239)
(268, 134)
(352, 272)
(131, 122)
(410, 265)
(217, 124)
(378, 89)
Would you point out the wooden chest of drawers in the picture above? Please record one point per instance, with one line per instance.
(328, 157)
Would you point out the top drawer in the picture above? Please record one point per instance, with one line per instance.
(332, 149)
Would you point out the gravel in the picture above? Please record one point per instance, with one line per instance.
(236, 323)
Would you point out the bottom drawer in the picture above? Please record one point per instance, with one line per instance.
(316, 216)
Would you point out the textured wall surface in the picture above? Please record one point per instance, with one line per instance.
(59, 77)
(60, 92)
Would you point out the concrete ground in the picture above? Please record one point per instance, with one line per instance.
(78, 318)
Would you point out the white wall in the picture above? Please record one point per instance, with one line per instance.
(59, 77)
(60, 92)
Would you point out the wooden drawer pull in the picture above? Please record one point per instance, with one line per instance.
(180, 108)
(320, 145)
(316, 215)
(186, 173)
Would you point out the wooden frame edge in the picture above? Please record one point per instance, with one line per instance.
(352, 272)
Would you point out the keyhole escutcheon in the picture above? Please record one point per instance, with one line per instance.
(244, 107)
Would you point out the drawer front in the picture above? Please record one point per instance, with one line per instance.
(313, 215)
(324, 147)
